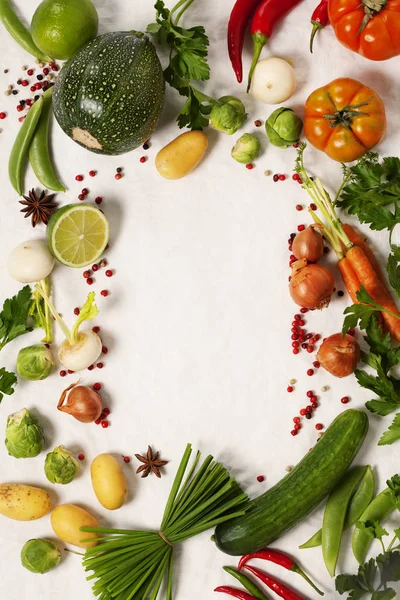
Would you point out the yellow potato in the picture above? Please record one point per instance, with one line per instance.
(66, 521)
(23, 502)
(182, 155)
(108, 481)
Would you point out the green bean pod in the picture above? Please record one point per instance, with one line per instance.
(335, 514)
(20, 149)
(358, 504)
(39, 152)
(247, 583)
(380, 508)
(18, 31)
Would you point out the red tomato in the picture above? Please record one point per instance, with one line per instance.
(369, 27)
(344, 119)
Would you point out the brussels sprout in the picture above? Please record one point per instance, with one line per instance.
(246, 149)
(284, 127)
(35, 362)
(40, 556)
(60, 466)
(228, 115)
(24, 435)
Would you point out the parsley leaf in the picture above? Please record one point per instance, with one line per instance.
(387, 594)
(394, 490)
(7, 382)
(14, 316)
(392, 434)
(389, 566)
(393, 270)
(372, 187)
(373, 529)
(361, 312)
(188, 62)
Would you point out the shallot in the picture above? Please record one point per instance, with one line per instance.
(308, 244)
(339, 354)
(311, 286)
(83, 403)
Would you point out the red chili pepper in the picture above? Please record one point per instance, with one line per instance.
(226, 589)
(238, 21)
(278, 587)
(319, 20)
(267, 15)
(281, 559)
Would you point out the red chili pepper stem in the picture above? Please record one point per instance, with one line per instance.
(259, 41)
(226, 589)
(316, 27)
(279, 559)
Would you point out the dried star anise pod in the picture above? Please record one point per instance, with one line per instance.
(151, 463)
(40, 208)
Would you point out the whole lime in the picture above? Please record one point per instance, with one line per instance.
(60, 27)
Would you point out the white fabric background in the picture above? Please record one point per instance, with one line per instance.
(198, 321)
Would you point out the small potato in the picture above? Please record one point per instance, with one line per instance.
(182, 155)
(108, 481)
(23, 502)
(66, 521)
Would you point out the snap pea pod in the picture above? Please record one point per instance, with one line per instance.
(39, 153)
(335, 514)
(19, 151)
(18, 30)
(380, 508)
(359, 502)
(247, 583)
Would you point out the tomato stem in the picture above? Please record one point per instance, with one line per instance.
(345, 115)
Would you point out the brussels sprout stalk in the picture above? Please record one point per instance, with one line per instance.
(80, 349)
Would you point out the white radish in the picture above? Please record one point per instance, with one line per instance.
(273, 81)
(30, 261)
(81, 355)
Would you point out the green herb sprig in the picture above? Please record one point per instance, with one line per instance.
(188, 61)
(133, 564)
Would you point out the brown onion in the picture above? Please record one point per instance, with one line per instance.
(339, 355)
(308, 244)
(83, 403)
(311, 286)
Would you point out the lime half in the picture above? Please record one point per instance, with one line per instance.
(78, 234)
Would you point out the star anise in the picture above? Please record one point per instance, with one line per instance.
(151, 463)
(40, 208)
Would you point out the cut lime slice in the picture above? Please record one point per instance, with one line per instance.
(77, 234)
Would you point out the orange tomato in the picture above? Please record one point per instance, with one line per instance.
(369, 27)
(344, 119)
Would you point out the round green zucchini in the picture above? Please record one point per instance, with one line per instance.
(109, 96)
(297, 494)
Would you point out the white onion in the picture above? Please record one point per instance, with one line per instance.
(30, 261)
(82, 354)
(273, 81)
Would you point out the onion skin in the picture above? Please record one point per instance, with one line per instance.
(311, 286)
(83, 403)
(308, 244)
(339, 355)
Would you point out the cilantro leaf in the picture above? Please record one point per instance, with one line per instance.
(372, 528)
(7, 382)
(392, 434)
(389, 566)
(14, 316)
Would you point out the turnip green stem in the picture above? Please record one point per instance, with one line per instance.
(59, 320)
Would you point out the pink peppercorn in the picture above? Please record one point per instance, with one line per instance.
(314, 405)
(104, 293)
(81, 456)
(143, 159)
(249, 166)
(46, 71)
(310, 394)
(275, 177)
(81, 197)
(95, 267)
(63, 373)
(100, 365)
(299, 207)
(92, 173)
(319, 426)
(294, 432)
(297, 426)
(345, 400)
(260, 478)
(301, 227)
(85, 192)
(313, 206)
(257, 123)
(20, 108)
(3, 115)
(97, 386)
(96, 329)
(98, 421)
(86, 274)
(38, 86)
(310, 372)
(104, 424)
(25, 83)
(109, 273)
(90, 281)
(296, 419)
(127, 459)
(282, 177)
(304, 310)
(290, 389)
(79, 178)
(90, 368)
(77, 311)
(29, 72)
(98, 200)
(303, 412)
(104, 349)
(118, 176)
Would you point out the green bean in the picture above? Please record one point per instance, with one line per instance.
(335, 514)
(18, 30)
(246, 583)
(380, 508)
(358, 504)
(19, 151)
(39, 153)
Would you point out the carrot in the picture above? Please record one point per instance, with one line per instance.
(349, 277)
(375, 288)
(358, 240)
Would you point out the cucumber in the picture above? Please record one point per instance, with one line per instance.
(297, 494)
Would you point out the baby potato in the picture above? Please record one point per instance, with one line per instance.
(66, 521)
(182, 155)
(108, 481)
(23, 502)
